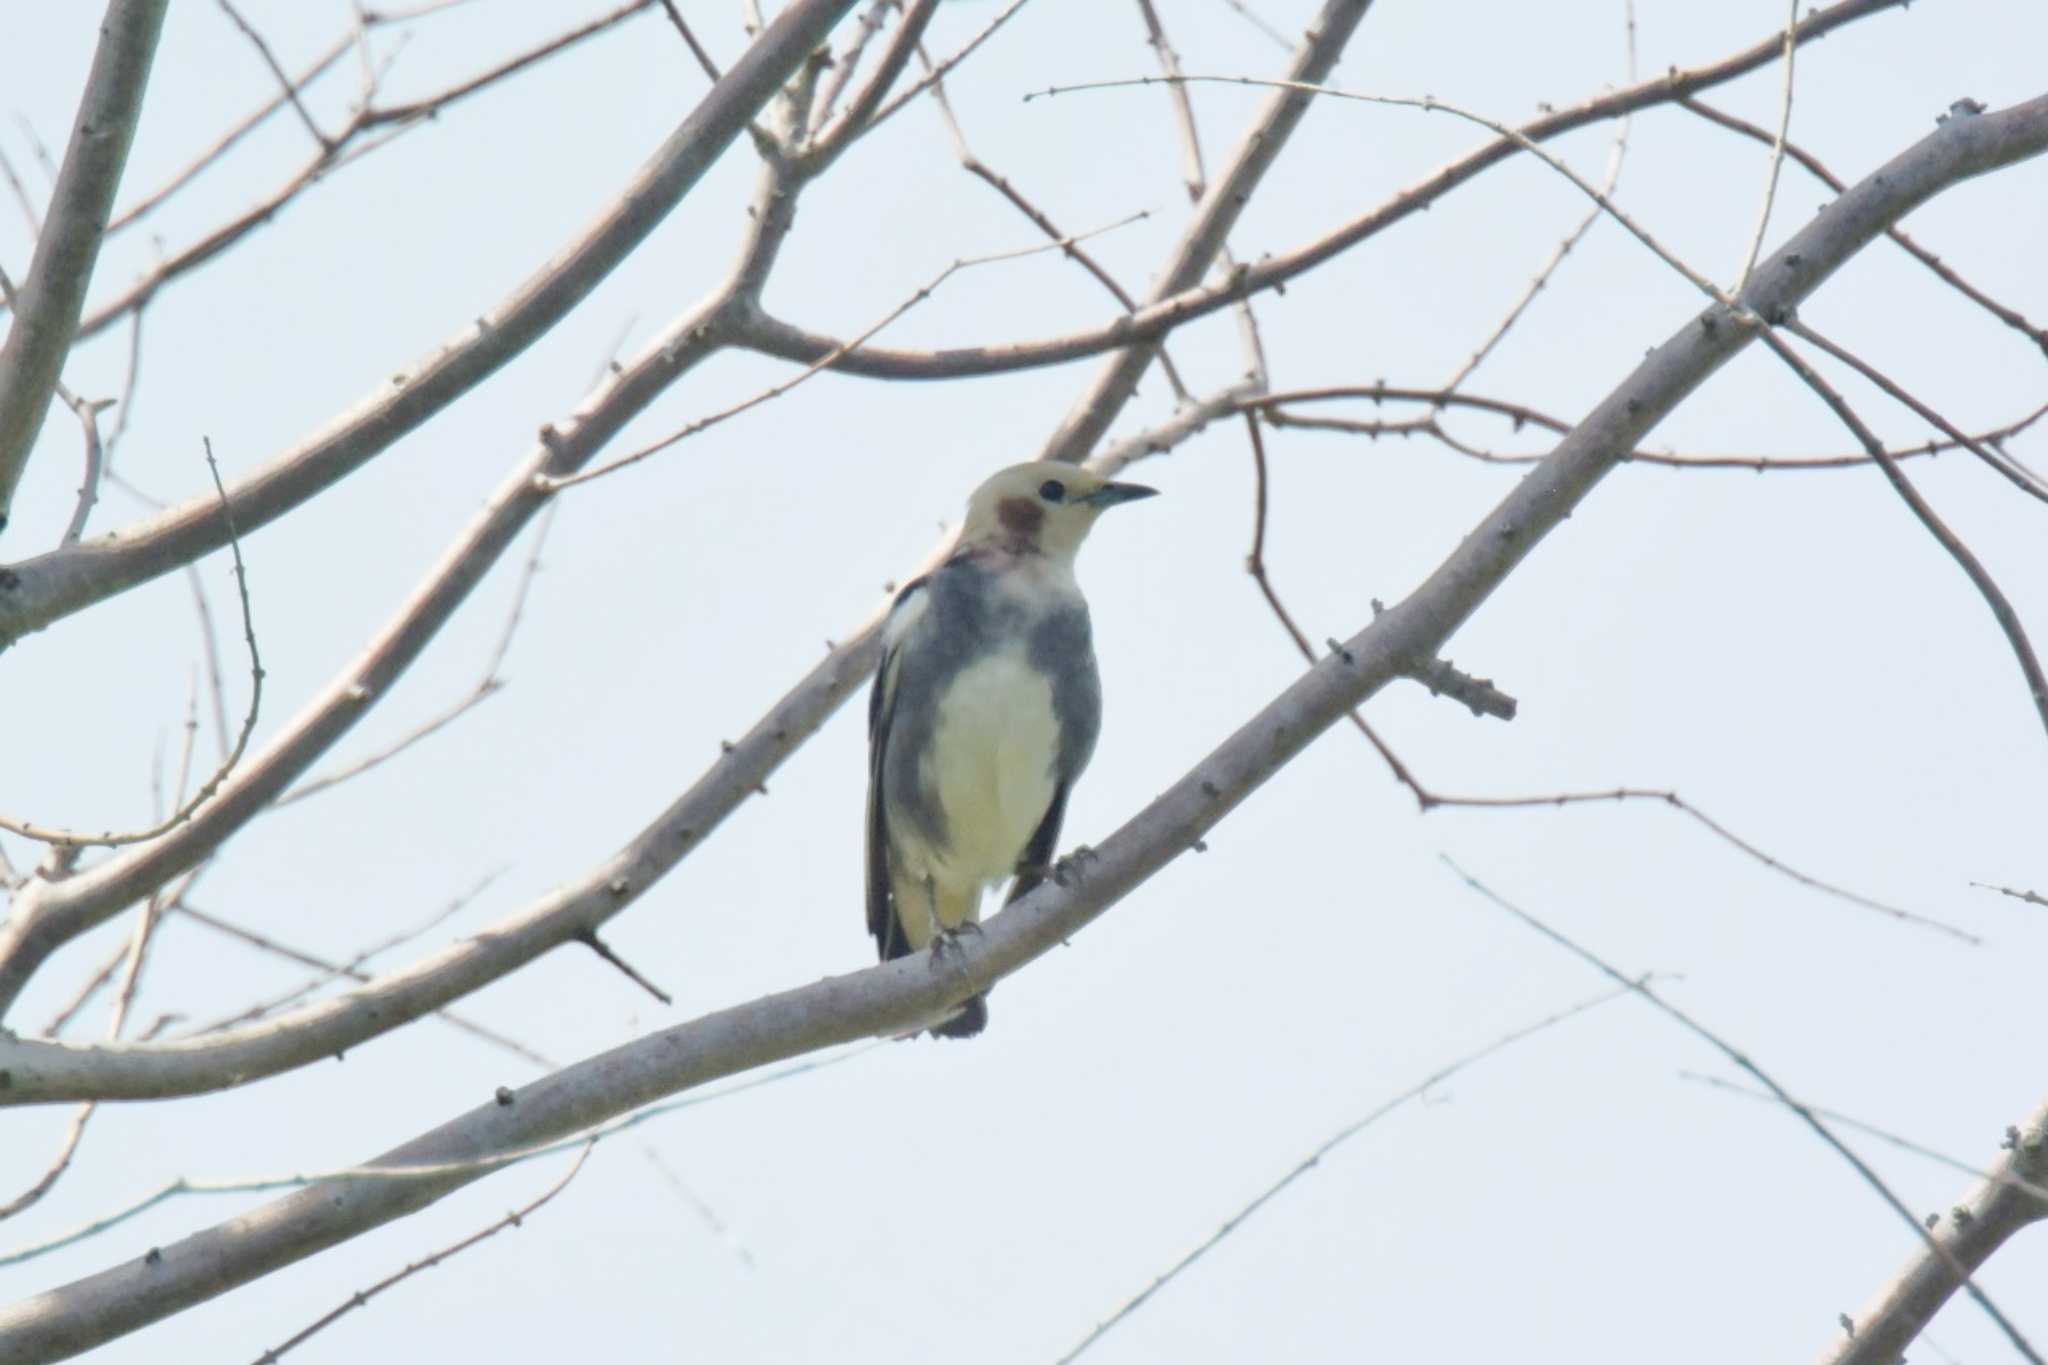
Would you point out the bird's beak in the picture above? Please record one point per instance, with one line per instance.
(1110, 494)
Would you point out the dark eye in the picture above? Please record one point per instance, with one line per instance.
(1052, 490)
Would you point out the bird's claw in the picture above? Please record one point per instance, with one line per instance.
(1067, 867)
(947, 941)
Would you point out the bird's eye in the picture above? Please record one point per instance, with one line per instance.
(1052, 490)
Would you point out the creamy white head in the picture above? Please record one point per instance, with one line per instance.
(1042, 508)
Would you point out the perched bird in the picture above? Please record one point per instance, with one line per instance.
(983, 714)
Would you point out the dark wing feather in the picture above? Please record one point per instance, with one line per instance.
(1037, 857)
(882, 921)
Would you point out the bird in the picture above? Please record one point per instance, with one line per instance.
(983, 714)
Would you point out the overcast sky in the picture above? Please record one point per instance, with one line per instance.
(1790, 651)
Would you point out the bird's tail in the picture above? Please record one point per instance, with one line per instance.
(971, 1019)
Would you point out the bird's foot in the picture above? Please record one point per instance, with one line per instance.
(1067, 868)
(946, 942)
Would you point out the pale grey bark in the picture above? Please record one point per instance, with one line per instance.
(1963, 1237)
(900, 994)
(37, 592)
(52, 297)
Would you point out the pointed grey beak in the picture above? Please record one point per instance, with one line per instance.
(1110, 494)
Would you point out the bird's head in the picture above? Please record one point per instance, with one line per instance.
(1043, 508)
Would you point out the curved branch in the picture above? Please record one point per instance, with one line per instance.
(772, 336)
(905, 992)
(1216, 214)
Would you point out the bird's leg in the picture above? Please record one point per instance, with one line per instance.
(944, 940)
(931, 908)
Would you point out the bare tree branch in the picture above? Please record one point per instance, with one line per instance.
(773, 336)
(1777, 163)
(186, 809)
(2010, 317)
(2030, 897)
(1203, 238)
(53, 295)
(287, 87)
(895, 994)
(1980, 577)
(1275, 408)
(1933, 1245)
(39, 591)
(361, 1298)
(294, 86)
(1323, 1149)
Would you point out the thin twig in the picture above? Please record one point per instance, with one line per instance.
(88, 413)
(285, 83)
(1255, 565)
(1763, 213)
(1430, 104)
(351, 969)
(91, 987)
(939, 72)
(318, 67)
(2009, 316)
(1251, 17)
(362, 1297)
(429, 1171)
(67, 1148)
(589, 939)
(1741, 1060)
(1002, 185)
(1433, 800)
(124, 406)
(209, 642)
(2018, 475)
(1273, 406)
(1315, 1157)
(22, 200)
(1987, 587)
(2030, 897)
(1617, 153)
(369, 130)
(675, 17)
(846, 64)
(50, 834)
(332, 970)
(555, 483)
(1427, 799)
(1885, 1135)
(1195, 178)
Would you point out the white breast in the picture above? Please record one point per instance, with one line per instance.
(991, 764)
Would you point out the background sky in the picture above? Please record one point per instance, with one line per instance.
(1790, 651)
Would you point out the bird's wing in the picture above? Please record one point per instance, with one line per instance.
(1036, 860)
(882, 921)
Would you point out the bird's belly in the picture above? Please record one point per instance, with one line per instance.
(991, 766)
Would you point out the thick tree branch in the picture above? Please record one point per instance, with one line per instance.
(47, 914)
(894, 995)
(53, 295)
